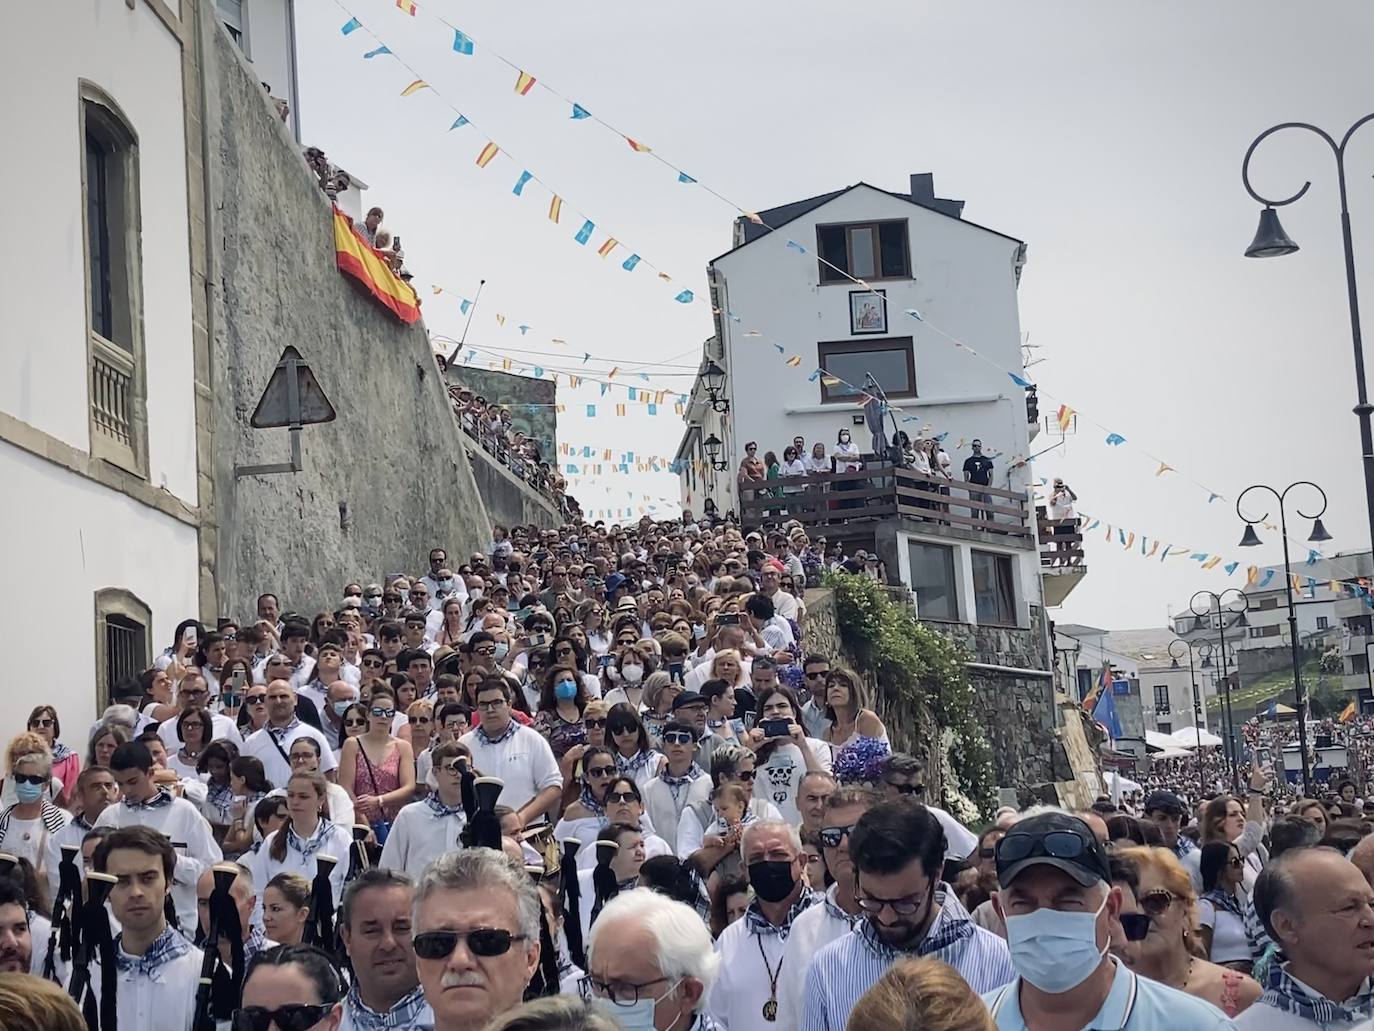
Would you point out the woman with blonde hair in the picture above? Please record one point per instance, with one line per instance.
(920, 995)
(34, 1004)
(1313, 812)
(28, 821)
(555, 1013)
(1172, 951)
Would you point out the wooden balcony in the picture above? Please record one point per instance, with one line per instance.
(1062, 562)
(845, 505)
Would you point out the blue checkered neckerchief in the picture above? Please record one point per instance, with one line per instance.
(437, 807)
(675, 784)
(833, 908)
(166, 947)
(307, 847)
(279, 733)
(162, 799)
(950, 927)
(221, 796)
(401, 1015)
(255, 942)
(634, 763)
(758, 923)
(590, 803)
(1183, 846)
(1225, 900)
(505, 735)
(60, 751)
(1286, 993)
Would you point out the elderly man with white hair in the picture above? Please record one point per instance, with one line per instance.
(651, 960)
(745, 997)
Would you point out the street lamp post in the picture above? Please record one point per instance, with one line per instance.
(1271, 241)
(1249, 540)
(1221, 605)
(1197, 709)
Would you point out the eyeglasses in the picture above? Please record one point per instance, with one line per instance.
(482, 941)
(678, 737)
(31, 778)
(301, 757)
(593, 724)
(1136, 926)
(745, 775)
(907, 789)
(601, 771)
(618, 993)
(621, 797)
(45, 722)
(419, 719)
(902, 907)
(355, 722)
(1156, 903)
(293, 1017)
(832, 836)
(452, 766)
(492, 704)
(381, 713)
(484, 651)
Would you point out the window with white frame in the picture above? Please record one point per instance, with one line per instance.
(934, 582)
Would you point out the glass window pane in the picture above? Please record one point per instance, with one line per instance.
(888, 366)
(97, 244)
(892, 249)
(932, 578)
(993, 595)
(830, 241)
(861, 253)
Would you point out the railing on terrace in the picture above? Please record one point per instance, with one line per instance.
(1061, 542)
(498, 447)
(840, 499)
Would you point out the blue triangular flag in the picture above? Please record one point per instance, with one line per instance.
(538, 372)
(915, 314)
(814, 376)
(653, 408)
(580, 112)
(1268, 575)
(591, 410)
(384, 49)
(458, 122)
(793, 245)
(1231, 567)
(585, 356)
(351, 25)
(683, 177)
(462, 44)
(633, 394)
(629, 263)
(605, 387)
(1114, 439)
(780, 348)
(1312, 556)
(1018, 380)
(520, 183)
(523, 329)
(585, 233)
(464, 305)
(644, 376)
(685, 297)
(470, 356)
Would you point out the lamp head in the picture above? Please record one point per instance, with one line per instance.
(1319, 533)
(1249, 539)
(1270, 240)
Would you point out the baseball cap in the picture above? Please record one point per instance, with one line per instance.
(1052, 839)
(614, 582)
(1165, 801)
(687, 698)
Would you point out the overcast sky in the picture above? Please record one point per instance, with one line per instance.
(1109, 137)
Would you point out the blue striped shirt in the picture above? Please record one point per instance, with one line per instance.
(844, 970)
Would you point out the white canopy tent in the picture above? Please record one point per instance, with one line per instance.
(1194, 737)
(1117, 783)
(1173, 752)
(1154, 739)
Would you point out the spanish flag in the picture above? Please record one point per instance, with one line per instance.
(1348, 713)
(637, 147)
(1065, 417)
(606, 248)
(524, 82)
(356, 258)
(407, 5)
(488, 152)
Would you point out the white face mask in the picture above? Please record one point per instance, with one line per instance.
(631, 674)
(502, 650)
(1054, 950)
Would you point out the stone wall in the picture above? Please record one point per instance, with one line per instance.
(508, 499)
(532, 402)
(394, 456)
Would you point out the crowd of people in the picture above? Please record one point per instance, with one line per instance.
(334, 181)
(599, 777)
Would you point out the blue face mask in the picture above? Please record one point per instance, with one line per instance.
(28, 792)
(565, 690)
(638, 1016)
(1054, 950)
(342, 707)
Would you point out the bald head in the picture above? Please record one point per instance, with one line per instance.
(1362, 855)
(342, 691)
(281, 702)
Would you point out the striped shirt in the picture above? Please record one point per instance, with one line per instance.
(845, 969)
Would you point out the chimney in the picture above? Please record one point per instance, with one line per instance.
(923, 188)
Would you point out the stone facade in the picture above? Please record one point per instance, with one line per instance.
(394, 457)
(507, 498)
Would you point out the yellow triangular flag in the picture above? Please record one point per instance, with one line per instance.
(415, 87)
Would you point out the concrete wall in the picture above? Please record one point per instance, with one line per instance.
(508, 499)
(394, 455)
(517, 393)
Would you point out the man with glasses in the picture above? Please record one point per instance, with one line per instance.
(272, 743)
(680, 784)
(375, 926)
(194, 693)
(1059, 904)
(426, 829)
(838, 914)
(904, 777)
(651, 961)
(476, 919)
(815, 675)
(519, 755)
(898, 851)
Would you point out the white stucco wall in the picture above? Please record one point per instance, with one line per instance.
(135, 59)
(964, 282)
(64, 538)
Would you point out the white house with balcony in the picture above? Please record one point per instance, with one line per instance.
(796, 343)
(103, 379)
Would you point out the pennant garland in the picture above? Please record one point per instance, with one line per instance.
(415, 87)
(524, 82)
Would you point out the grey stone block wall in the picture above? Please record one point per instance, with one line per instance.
(532, 402)
(394, 456)
(508, 499)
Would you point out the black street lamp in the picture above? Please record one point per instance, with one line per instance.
(1198, 722)
(1223, 605)
(714, 378)
(1271, 241)
(1248, 540)
(712, 446)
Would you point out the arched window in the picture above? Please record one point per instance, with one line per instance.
(122, 644)
(109, 182)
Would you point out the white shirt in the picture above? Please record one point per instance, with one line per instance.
(959, 840)
(812, 931)
(164, 1001)
(737, 998)
(419, 835)
(779, 779)
(300, 676)
(28, 839)
(848, 452)
(262, 744)
(667, 814)
(701, 672)
(784, 604)
(337, 842)
(524, 761)
(222, 728)
(340, 804)
(192, 838)
(691, 831)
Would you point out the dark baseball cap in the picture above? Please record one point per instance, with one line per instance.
(1165, 801)
(1052, 839)
(614, 582)
(687, 698)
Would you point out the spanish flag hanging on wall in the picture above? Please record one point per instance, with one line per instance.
(356, 258)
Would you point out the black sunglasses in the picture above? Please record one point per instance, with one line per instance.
(622, 797)
(294, 1017)
(31, 778)
(1136, 926)
(482, 941)
(592, 723)
(1056, 844)
(678, 737)
(832, 836)
(907, 789)
(601, 771)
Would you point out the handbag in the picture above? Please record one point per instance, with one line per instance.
(382, 826)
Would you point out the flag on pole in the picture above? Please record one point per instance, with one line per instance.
(488, 152)
(1103, 683)
(524, 82)
(1348, 713)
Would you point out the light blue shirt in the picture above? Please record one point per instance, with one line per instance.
(1134, 1004)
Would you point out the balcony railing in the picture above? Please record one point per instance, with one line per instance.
(1061, 542)
(835, 500)
(1032, 405)
(112, 378)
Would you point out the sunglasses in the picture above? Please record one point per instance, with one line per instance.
(255, 699)
(907, 789)
(818, 676)
(832, 836)
(593, 724)
(601, 771)
(355, 722)
(419, 719)
(1136, 926)
(621, 797)
(45, 722)
(381, 713)
(294, 1017)
(31, 778)
(1056, 844)
(1156, 903)
(373, 663)
(678, 737)
(745, 775)
(482, 941)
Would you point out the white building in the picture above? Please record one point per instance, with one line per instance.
(265, 31)
(776, 299)
(1265, 622)
(99, 397)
